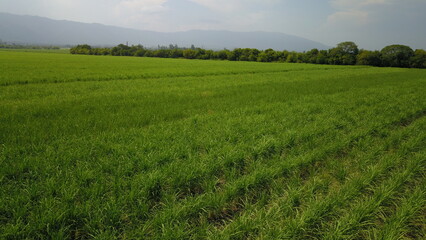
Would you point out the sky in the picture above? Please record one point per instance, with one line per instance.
(372, 24)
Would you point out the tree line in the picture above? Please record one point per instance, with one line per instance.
(22, 46)
(13, 45)
(345, 53)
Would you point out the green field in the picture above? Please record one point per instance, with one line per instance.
(95, 147)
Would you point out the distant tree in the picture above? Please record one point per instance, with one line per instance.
(254, 53)
(105, 51)
(311, 56)
(334, 57)
(81, 49)
(148, 53)
(344, 54)
(190, 53)
(279, 56)
(206, 54)
(272, 55)
(284, 55)
(235, 54)
(299, 57)
(419, 59)
(322, 57)
(176, 52)
(122, 50)
(200, 53)
(140, 52)
(263, 57)
(348, 48)
(397, 56)
(96, 51)
(245, 54)
(269, 55)
(221, 55)
(292, 57)
(161, 53)
(241, 54)
(371, 58)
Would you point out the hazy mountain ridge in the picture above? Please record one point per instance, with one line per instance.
(40, 30)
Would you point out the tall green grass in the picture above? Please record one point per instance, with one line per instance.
(95, 147)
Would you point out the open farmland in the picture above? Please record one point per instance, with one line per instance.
(98, 147)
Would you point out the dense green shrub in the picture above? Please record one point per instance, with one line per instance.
(345, 53)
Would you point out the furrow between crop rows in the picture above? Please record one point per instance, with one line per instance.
(361, 213)
(298, 194)
(206, 204)
(395, 225)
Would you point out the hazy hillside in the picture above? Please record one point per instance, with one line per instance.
(39, 30)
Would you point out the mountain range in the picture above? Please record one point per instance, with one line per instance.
(44, 31)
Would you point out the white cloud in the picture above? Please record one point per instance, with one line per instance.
(232, 5)
(356, 4)
(354, 17)
(145, 14)
(374, 23)
(353, 12)
(141, 6)
(219, 5)
(238, 15)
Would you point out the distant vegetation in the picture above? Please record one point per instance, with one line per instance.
(345, 53)
(8, 45)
